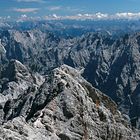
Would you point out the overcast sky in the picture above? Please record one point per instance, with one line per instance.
(15, 8)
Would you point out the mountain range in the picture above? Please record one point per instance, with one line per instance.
(43, 86)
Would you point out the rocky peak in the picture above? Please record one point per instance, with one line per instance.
(16, 70)
(17, 80)
(64, 107)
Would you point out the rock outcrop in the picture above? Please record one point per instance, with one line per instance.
(110, 63)
(59, 106)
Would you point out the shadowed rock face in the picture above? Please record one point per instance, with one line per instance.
(111, 64)
(59, 106)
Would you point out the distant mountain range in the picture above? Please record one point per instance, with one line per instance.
(74, 27)
(106, 54)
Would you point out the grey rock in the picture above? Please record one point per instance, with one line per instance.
(63, 107)
(110, 63)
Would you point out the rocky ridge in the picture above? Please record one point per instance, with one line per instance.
(59, 106)
(110, 63)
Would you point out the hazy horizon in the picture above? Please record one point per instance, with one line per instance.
(63, 8)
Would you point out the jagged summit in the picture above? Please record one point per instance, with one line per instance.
(16, 79)
(109, 63)
(64, 106)
(16, 69)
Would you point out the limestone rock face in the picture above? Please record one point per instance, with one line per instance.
(110, 63)
(59, 106)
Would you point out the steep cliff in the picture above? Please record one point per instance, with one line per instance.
(59, 106)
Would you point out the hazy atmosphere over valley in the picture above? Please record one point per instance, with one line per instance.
(69, 70)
